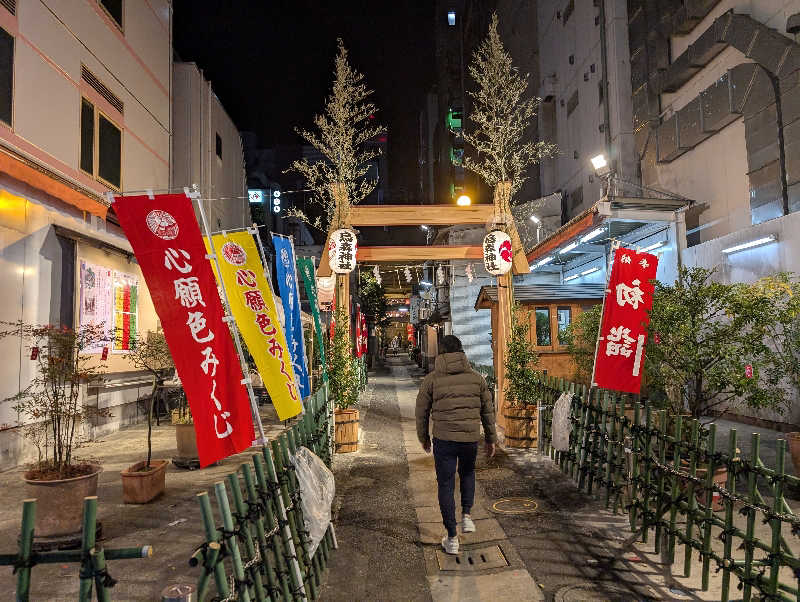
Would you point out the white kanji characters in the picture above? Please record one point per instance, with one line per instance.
(632, 295)
(246, 278)
(228, 428)
(197, 323)
(644, 263)
(173, 257)
(619, 341)
(254, 300)
(626, 259)
(187, 290)
(209, 361)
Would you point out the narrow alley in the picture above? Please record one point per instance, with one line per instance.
(537, 538)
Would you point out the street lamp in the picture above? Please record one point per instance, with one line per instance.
(603, 169)
(463, 201)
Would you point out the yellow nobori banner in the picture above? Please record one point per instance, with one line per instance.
(253, 308)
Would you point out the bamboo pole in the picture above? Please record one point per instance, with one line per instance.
(755, 448)
(98, 562)
(220, 578)
(260, 531)
(673, 507)
(87, 543)
(25, 549)
(775, 523)
(692, 500)
(728, 545)
(711, 446)
(246, 528)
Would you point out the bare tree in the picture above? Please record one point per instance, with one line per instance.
(342, 131)
(502, 114)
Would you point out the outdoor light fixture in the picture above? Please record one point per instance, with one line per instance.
(654, 246)
(463, 201)
(568, 278)
(426, 283)
(589, 271)
(749, 245)
(568, 248)
(592, 235)
(601, 166)
(424, 227)
(451, 18)
(535, 219)
(402, 309)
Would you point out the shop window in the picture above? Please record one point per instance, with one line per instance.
(543, 326)
(6, 76)
(114, 9)
(564, 320)
(101, 146)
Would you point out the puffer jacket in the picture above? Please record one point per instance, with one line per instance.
(457, 399)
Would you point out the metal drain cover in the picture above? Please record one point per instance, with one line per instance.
(472, 560)
(592, 592)
(515, 505)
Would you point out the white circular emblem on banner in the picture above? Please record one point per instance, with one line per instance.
(497, 253)
(342, 251)
(234, 254)
(162, 224)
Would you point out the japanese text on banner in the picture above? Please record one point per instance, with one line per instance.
(253, 308)
(166, 240)
(619, 360)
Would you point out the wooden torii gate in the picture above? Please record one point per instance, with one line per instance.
(436, 215)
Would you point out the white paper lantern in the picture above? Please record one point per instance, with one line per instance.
(497, 253)
(342, 251)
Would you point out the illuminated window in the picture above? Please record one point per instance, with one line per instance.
(451, 18)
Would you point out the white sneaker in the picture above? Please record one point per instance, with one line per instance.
(467, 526)
(450, 544)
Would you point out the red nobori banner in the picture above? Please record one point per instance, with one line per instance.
(619, 361)
(170, 250)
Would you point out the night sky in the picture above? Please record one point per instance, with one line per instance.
(270, 62)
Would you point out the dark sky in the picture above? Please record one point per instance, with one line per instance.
(270, 62)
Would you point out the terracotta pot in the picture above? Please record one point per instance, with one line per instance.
(521, 426)
(59, 504)
(139, 487)
(720, 478)
(794, 449)
(186, 441)
(346, 431)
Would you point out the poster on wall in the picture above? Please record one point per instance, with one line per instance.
(125, 303)
(95, 299)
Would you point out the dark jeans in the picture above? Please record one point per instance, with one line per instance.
(447, 455)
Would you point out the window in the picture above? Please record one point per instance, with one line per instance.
(568, 10)
(572, 103)
(543, 326)
(564, 319)
(451, 18)
(219, 146)
(101, 146)
(114, 10)
(6, 75)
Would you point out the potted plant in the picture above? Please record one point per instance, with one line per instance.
(51, 414)
(343, 384)
(145, 480)
(185, 436)
(521, 411)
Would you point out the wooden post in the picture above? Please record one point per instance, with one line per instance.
(341, 219)
(505, 296)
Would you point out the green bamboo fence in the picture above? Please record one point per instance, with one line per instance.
(667, 473)
(256, 545)
(92, 558)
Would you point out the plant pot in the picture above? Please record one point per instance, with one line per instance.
(346, 431)
(794, 449)
(522, 425)
(140, 487)
(59, 504)
(186, 441)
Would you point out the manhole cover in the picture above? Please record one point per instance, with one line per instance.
(515, 505)
(592, 592)
(472, 560)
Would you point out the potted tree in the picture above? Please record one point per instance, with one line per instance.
(521, 412)
(343, 384)
(52, 414)
(185, 436)
(145, 480)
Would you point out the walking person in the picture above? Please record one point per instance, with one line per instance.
(458, 401)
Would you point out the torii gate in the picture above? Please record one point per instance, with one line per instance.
(436, 215)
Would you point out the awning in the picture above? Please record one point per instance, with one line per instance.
(541, 293)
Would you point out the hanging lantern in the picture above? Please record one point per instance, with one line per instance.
(377, 273)
(407, 274)
(497, 255)
(470, 274)
(342, 251)
(440, 278)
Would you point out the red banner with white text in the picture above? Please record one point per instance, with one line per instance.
(166, 240)
(619, 361)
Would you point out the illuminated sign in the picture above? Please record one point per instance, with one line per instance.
(255, 195)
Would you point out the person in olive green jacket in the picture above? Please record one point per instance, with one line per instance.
(458, 401)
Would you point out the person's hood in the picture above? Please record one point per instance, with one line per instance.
(452, 363)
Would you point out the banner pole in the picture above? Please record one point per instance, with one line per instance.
(263, 253)
(614, 246)
(195, 195)
(299, 311)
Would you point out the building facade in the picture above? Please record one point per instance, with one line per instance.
(85, 109)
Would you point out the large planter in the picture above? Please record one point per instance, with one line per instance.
(141, 486)
(794, 449)
(521, 426)
(346, 431)
(186, 441)
(59, 504)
